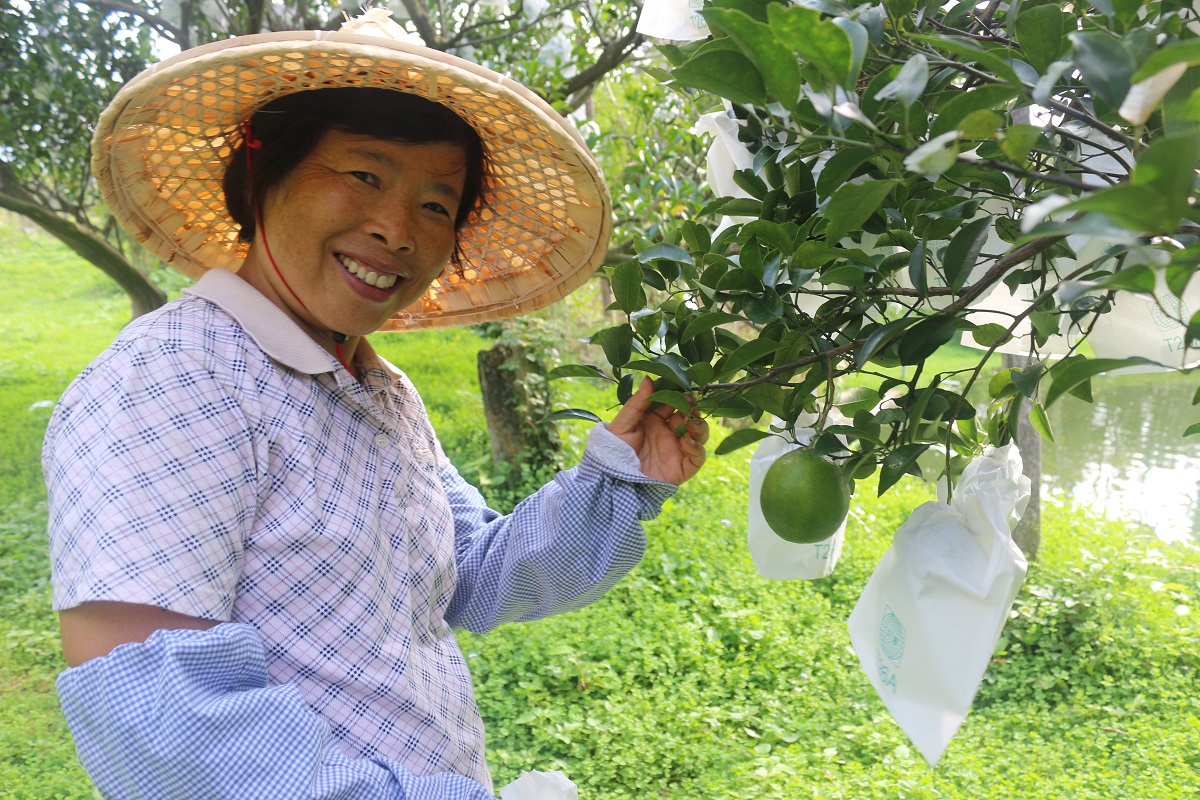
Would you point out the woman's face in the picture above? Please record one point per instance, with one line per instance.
(358, 230)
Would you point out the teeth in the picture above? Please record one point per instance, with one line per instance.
(367, 276)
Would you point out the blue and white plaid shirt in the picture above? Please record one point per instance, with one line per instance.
(216, 462)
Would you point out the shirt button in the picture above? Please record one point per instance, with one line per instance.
(381, 440)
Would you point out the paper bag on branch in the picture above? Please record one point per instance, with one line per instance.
(678, 20)
(775, 557)
(927, 622)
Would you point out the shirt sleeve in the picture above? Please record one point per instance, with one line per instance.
(561, 548)
(190, 714)
(152, 478)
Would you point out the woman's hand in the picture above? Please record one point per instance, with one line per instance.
(665, 456)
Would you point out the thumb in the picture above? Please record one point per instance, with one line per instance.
(635, 408)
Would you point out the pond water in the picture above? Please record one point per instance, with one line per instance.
(1123, 454)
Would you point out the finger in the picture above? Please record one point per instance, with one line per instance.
(698, 430)
(635, 408)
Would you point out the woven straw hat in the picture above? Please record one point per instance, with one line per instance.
(160, 150)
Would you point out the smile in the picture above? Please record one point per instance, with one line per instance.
(369, 277)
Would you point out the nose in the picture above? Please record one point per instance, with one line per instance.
(391, 224)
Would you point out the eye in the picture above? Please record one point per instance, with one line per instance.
(438, 208)
(366, 177)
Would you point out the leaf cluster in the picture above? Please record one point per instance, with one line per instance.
(913, 161)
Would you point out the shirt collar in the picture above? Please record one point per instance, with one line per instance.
(276, 333)
(266, 323)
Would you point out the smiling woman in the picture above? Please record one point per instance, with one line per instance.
(259, 548)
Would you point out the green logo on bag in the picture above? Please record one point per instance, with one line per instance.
(1166, 311)
(891, 636)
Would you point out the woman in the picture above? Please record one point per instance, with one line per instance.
(258, 546)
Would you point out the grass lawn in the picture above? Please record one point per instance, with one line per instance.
(694, 678)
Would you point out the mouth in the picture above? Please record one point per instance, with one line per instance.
(368, 276)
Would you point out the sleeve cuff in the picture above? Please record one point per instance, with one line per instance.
(616, 459)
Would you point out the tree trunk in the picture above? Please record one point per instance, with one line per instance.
(521, 445)
(143, 295)
(1028, 533)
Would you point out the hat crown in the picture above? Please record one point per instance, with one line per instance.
(378, 22)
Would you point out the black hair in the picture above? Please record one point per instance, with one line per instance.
(290, 127)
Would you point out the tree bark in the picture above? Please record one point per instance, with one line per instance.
(520, 445)
(1028, 533)
(143, 295)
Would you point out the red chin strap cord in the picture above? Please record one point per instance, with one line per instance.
(253, 143)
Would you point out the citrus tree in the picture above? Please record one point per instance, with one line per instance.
(1019, 175)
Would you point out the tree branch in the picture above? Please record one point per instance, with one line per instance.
(967, 296)
(163, 26)
(143, 295)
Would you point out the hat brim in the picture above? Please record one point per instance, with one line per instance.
(160, 150)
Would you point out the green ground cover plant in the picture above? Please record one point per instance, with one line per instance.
(694, 678)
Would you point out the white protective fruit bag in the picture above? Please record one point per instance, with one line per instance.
(677, 20)
(927, 622)
(778, 558)
(536, 785)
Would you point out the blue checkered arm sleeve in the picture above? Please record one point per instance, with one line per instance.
(189, 714)
(561, 548)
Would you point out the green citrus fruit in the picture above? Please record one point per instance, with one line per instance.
(804, 498)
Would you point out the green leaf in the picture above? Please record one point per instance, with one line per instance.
(776, 63)
(625, 388)
(852, 205)
(769, 233)
(981, 124)
(926, 337)
(669, 366)
(879, 337)
(815, 40)
(897, 463)
(844, 275)
(671, 252)
(840, 168)
(1106, 65)
(1192, 429)
(764, 308)
(1041, 33)
(1196, 397)
(677, 400)
(750, 183)
(706, 322)
(990, 334)
(1019, 140)
(959, 105)
(1001, 385)
(747, 354)
(1138, 208)
(724, 72)
(1136, 278)
(1074, 373)
(1192, 334)
(918, 269)
(697, 236)
(995, 60)
(573, 413)
(1026, 378)
(909, 83)
(963, 251)
(577, 371)
(1166, 166)
(856, 398)
(626, 280)
(1186, 51)
(739, 439)
(617, 343)
(1041, 422)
